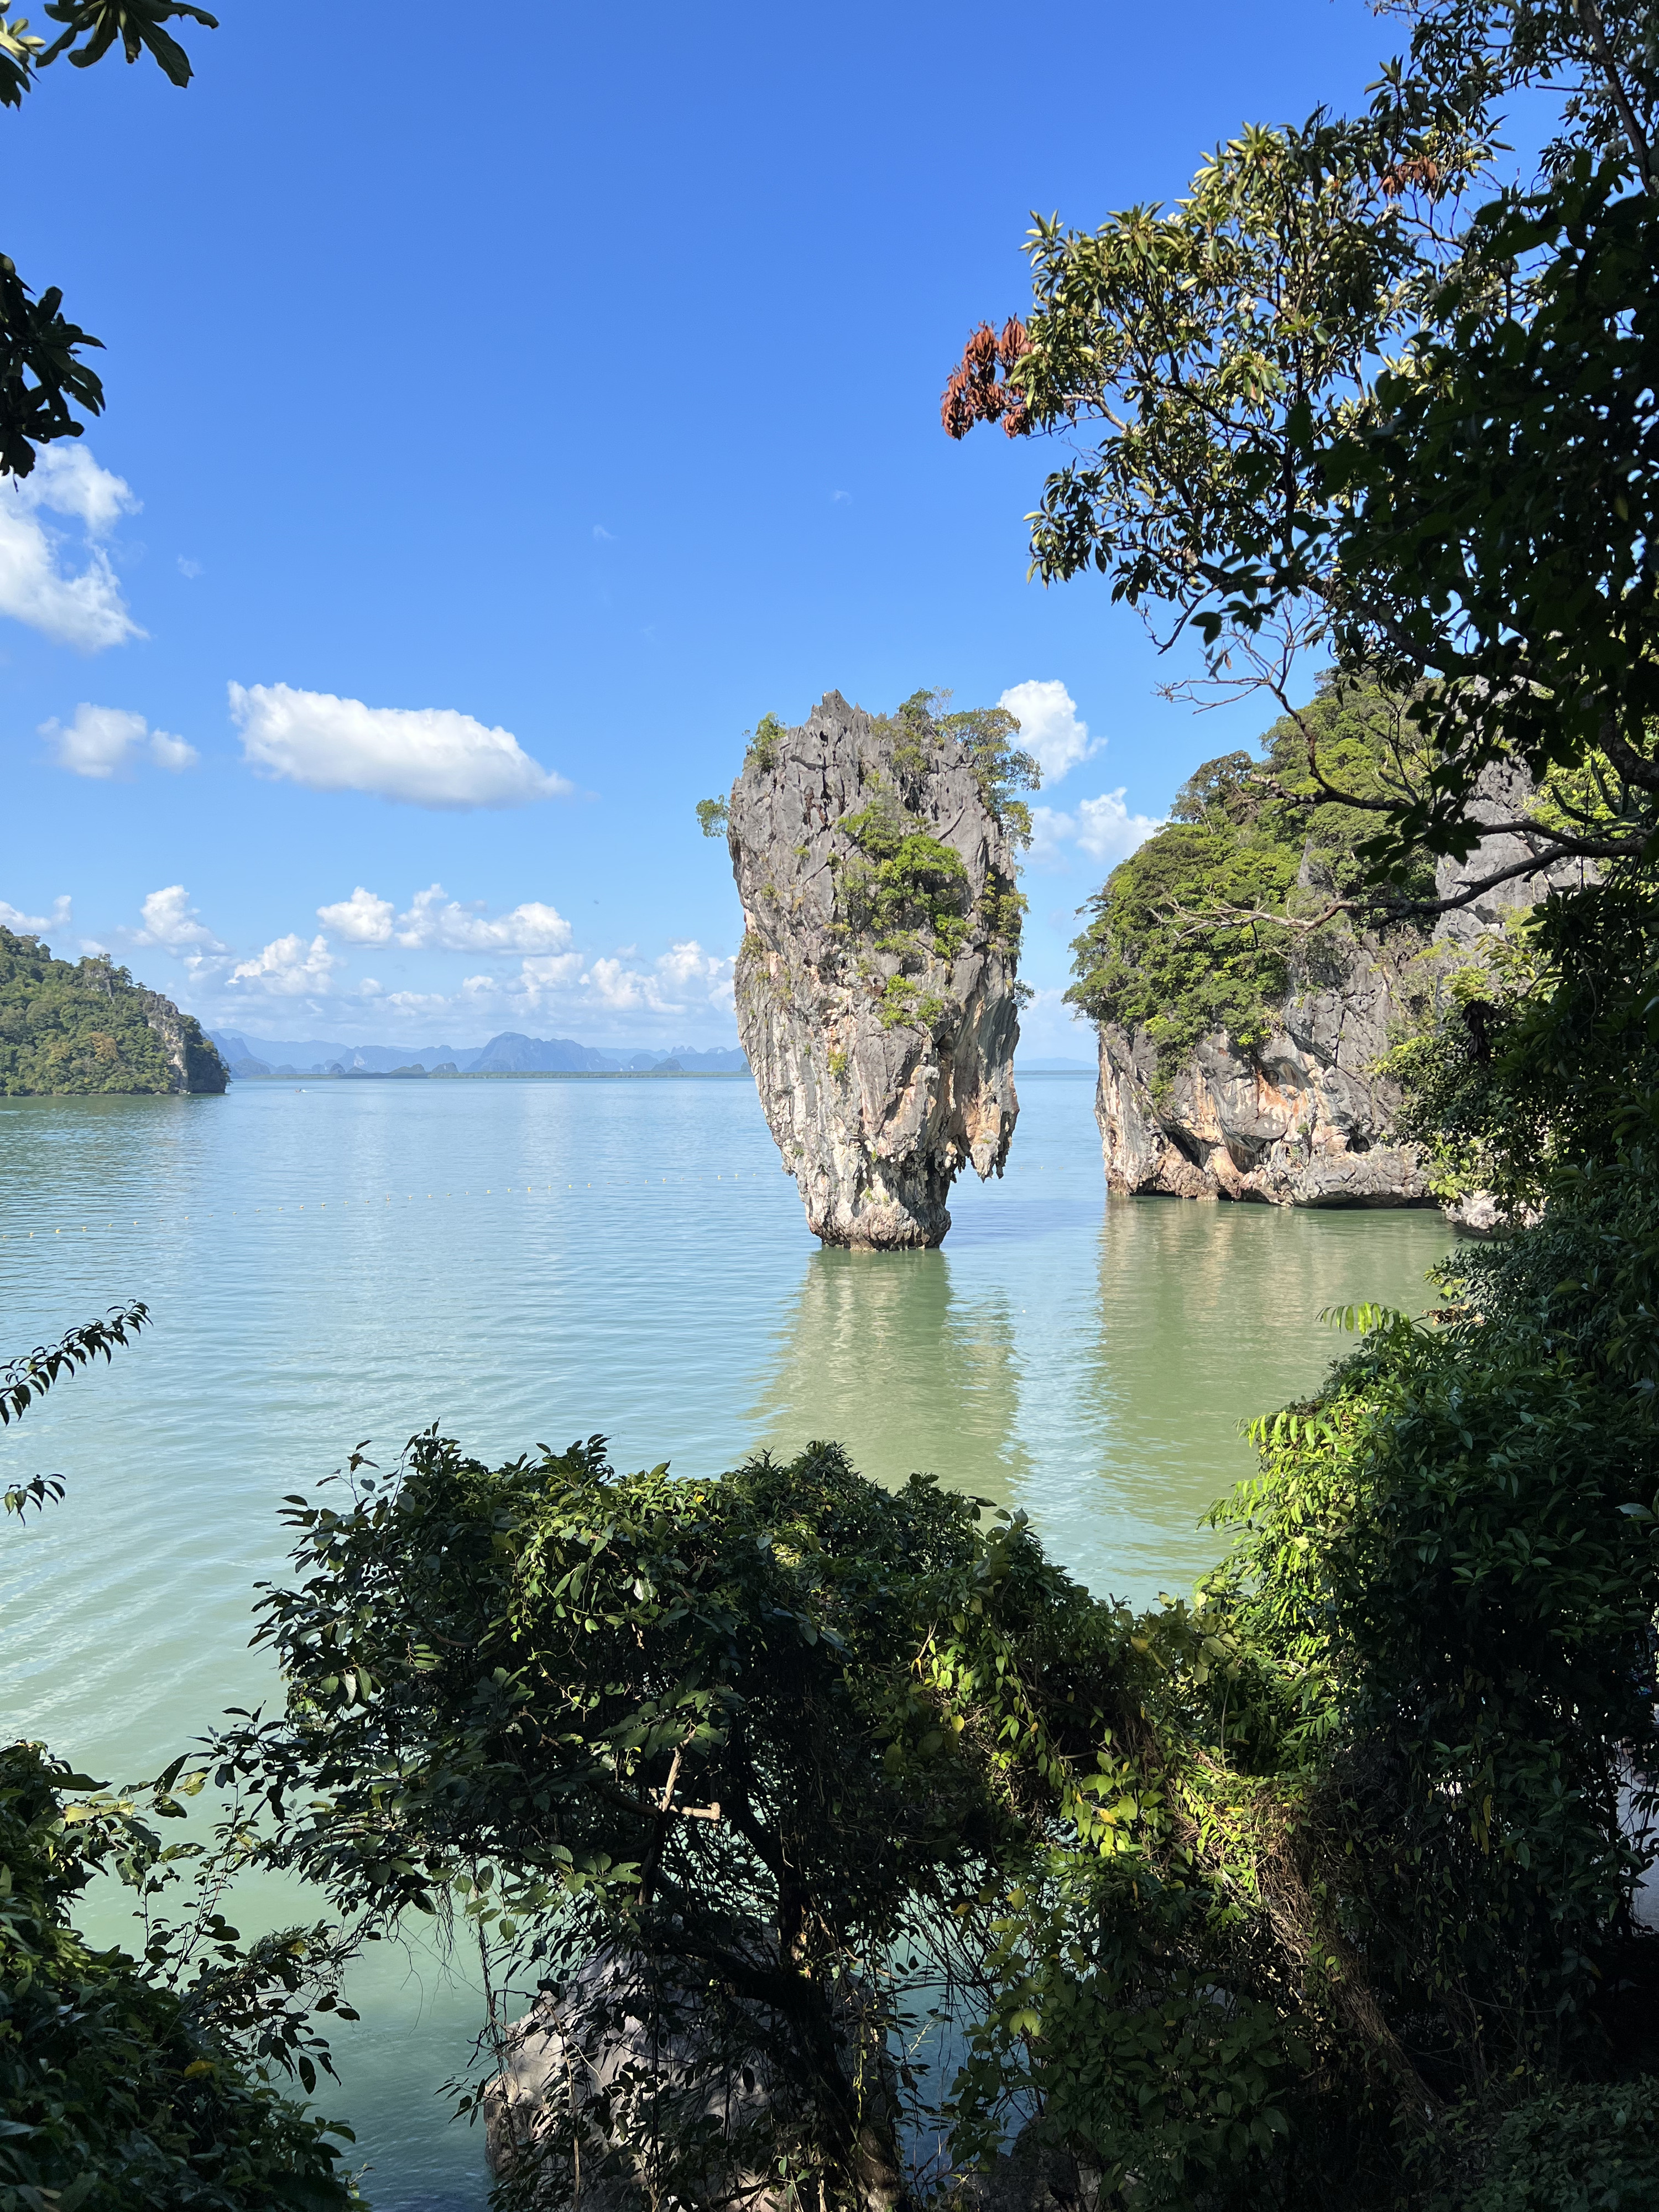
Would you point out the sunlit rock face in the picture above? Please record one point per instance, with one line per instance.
(881, 1030)
(193, 1064)
(1304, 1120)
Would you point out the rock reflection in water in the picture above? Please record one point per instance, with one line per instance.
(1208, 1315)
(884, 1354)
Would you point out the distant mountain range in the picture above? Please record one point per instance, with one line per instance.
(507, 1055)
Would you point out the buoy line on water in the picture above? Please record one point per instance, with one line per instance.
(732, 1176)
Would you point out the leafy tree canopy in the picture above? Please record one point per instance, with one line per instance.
(1331, 411)
(1199, 929)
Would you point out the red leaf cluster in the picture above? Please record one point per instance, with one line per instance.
(974, 393)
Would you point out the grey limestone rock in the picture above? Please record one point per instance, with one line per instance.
(882, 1048)
(1303, 1121)
(1503, 790)
(193, 1062)
(641, 2081)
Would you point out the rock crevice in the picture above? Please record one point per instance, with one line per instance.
(876, 993)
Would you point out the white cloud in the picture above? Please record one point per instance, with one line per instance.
(430, 757)
(82, 608)
(1049, 728)
(1103, 828)
(36, 925)
(425, 755)
(101, 740)
(67, 480)
(172, 923)
(437, 923)
(547, 971)
(673, 984)
(97, 742)
(289, 968)
(363, 919)
(601, 536)
(189, 568)
(172, 753)
(567, 988)
(445, 925)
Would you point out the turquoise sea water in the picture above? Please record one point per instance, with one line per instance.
(533, 1261)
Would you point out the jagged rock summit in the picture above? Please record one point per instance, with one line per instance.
(876, 990)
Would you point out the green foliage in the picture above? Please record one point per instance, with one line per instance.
(117, 2092)
(773, 1725)
(76, 1027)
(42, 379)
(763, 745)
(142, 2085)
(1190, 935)
(711, 817)
(1580, 2150)
(1138, 963)
(913, 883)
(1498, 514)
(1545, 1055)
(32, 1374)
(1339, 406)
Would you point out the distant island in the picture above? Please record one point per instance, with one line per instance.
(69, 1028)
(510, 1054)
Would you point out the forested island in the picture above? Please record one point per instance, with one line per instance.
(71, 1027)
(1257, 1020)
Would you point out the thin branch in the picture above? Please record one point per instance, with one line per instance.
(1589, 16)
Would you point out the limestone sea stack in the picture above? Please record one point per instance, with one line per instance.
(877, 996)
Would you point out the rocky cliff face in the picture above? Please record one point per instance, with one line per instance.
(1304, 1120)
(193, 1063)
(875, 984)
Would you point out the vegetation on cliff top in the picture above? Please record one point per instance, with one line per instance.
(1189, 935)
(902, 891)
(71, 1027)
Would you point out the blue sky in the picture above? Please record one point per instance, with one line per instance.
(510, 404)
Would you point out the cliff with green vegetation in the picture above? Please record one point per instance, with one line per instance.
(876, 988)
(72, 1027)
(1242, 1034)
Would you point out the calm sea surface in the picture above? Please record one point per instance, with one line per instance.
(528, 1262)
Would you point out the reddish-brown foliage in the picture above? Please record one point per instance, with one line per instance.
(974, 393)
